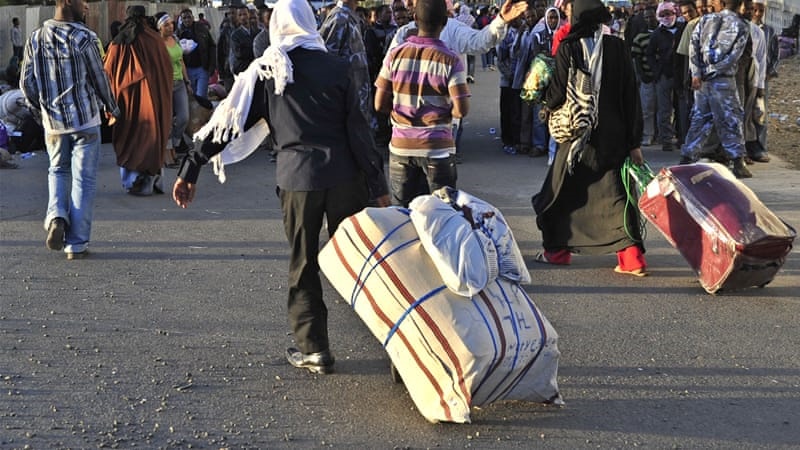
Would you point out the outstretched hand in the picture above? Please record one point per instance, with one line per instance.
(510, 11)
(183, 192)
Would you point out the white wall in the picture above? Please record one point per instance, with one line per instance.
(780, 12)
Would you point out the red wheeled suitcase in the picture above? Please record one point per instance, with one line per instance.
(718, 224)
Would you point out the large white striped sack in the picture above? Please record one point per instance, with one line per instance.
(452, 352)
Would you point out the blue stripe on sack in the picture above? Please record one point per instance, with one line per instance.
(408, 311)
(494, 346)
(516, 335)
(359, 281)
(543, 340)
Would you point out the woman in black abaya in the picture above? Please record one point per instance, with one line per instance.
(585, 211)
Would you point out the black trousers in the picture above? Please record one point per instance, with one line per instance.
(303, 212)
(510, 104)
(412, 176)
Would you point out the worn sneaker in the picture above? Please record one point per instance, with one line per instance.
(55, 234)
(77, 255)
(320, 362)
(686, 160)
(761, 157)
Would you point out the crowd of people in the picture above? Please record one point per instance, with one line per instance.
(329, 89)
(673, 65)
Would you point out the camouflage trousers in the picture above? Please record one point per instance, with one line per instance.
(717, 108)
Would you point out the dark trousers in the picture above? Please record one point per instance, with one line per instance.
(509, 115)
(303, 212)
(412, 176)
(685, 100)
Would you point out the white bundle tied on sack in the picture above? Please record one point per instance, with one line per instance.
(468, 239)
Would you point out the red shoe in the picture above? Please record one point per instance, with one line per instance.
(558, 258)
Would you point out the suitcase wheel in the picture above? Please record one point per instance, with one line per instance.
(395, 374)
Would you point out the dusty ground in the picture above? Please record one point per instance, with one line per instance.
(783, 137)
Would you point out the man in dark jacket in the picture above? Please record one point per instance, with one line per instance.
(660, 51)
(326, 161)
(202, 61)
(240, 54)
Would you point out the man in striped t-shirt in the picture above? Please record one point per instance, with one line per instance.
(423, 86)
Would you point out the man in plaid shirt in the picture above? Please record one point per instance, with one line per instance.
(62, 77)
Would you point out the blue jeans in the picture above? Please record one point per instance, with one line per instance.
(180, 113)
(539, 129)
(74, 158)
(666, 132)
(487, 59)
(685, 101)
(198, 78)
(647, 94)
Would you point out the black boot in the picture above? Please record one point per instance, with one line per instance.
(740, 169)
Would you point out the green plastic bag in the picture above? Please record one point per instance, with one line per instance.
(537, 79)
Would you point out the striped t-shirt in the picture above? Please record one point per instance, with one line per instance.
(424, 77)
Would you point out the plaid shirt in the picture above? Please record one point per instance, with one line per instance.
(62, 76)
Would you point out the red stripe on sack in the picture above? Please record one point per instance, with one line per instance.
(420, 310)
(388, 322)
(500, 332)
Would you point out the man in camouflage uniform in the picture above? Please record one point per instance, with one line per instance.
(343, 33)
(717, 44)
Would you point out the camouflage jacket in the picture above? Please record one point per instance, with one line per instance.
(717, 44)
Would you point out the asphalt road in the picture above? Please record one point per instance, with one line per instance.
(172, 333)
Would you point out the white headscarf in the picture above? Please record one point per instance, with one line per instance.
(547, 13)
(291, 25)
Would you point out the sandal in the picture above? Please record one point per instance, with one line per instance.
(640, 272)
